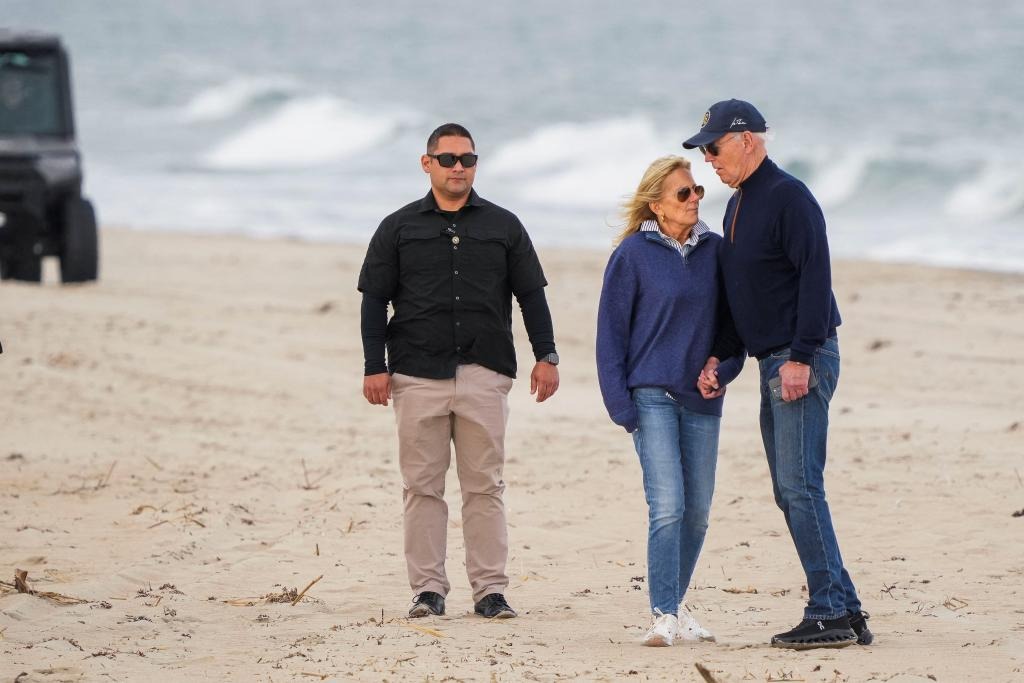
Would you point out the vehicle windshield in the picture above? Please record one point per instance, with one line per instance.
(30, 94)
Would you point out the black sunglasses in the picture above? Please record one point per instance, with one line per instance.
(448, 159)
(684, 194)
(713, 148)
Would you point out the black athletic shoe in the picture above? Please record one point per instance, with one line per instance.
(493, 606)
(811, 633)
(859, 624)
(426, 604)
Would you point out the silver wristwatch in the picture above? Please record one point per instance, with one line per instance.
(550, 358)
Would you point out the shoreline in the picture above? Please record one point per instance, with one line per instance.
(187, 443)
(583, 247)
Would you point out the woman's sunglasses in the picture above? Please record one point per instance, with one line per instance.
(448, 159)
(684, 194)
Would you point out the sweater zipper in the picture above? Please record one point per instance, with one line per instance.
(735, 214)
(664, 243)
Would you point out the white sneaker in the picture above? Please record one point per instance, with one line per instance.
(688, 628)
(662, 631)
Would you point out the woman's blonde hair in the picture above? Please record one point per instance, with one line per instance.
(636, 209)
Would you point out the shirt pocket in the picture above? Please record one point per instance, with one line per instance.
(423, 251)
(484, 261)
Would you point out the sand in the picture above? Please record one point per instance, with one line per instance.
(186, 448)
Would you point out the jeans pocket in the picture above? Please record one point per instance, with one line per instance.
(828, 351)
(826, 368)
(649, 396)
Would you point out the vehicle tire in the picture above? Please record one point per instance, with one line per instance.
(79, 254)
(29, 268)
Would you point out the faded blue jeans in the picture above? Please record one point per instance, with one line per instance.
(795, 435)
(678, 451)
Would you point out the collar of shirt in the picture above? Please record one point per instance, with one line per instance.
(429, 203)
(651, 225)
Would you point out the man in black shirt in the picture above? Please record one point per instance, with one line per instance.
(449, 264)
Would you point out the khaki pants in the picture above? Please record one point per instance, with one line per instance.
(470, 410)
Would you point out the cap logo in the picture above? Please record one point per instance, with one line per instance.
(737, 122)
(707, 117)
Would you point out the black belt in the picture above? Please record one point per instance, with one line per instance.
(765, 354)
(762, 356)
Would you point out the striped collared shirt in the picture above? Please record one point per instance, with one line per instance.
(651, 225)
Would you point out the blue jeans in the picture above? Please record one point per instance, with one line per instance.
(795, 435)
(678, 451)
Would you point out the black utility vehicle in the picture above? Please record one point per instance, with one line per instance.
(42, 210)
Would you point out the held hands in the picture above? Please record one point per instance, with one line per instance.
(707, 383)
(543, 380)
(795, 377)
(377, 388)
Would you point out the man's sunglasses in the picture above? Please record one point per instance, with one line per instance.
(448, 159)
(713, 148)
(684, 194)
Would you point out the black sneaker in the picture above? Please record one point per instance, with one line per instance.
(811, 633)
(493, 606)
(859, 624)
(426, 604)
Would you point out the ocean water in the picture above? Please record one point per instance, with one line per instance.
(307, 118)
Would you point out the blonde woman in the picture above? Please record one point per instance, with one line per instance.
(660, 312)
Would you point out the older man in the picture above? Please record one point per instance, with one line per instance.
(775, 264)
(449, 264)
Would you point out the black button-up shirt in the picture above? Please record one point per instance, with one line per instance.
(450, 279)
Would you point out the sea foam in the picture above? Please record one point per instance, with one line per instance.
(996, 192)
(234, 97)
(592, 164)
(304, 132)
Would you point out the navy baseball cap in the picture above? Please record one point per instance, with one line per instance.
(727, 116)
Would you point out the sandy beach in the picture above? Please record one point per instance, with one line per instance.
(186, 448)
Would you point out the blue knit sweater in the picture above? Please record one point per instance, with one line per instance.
(657, 320)
(775, 266)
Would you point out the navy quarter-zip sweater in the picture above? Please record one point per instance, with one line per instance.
(657, 320)
(775, 267)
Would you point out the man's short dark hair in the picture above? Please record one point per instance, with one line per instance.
(446, 129)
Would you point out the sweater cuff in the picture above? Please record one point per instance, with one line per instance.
(800, 356)
(728, 370)
(627, 419)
